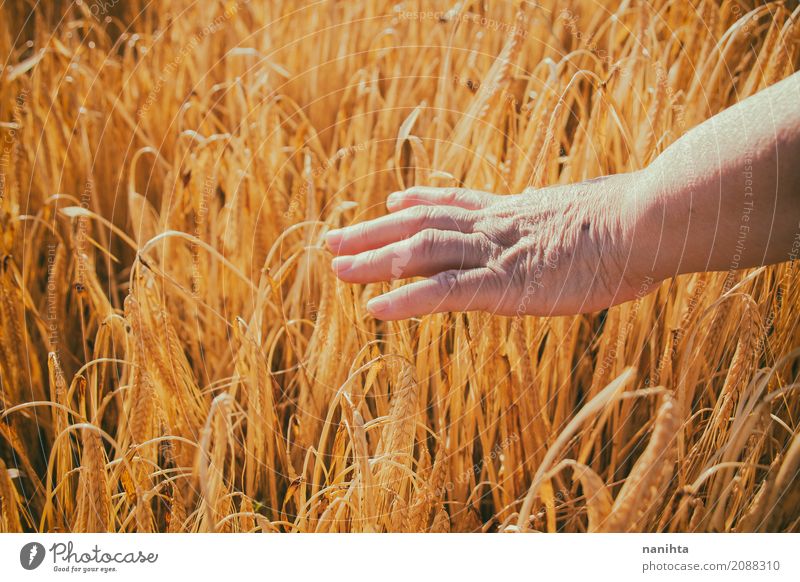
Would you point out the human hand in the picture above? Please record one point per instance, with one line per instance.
(553, 251)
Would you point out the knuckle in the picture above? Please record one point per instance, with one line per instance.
(420, 217)
(370, 258)
(464, 220)
(447, 281)
(425, 242)
(499, 228)
(484, 245)
(451, 196)
(362, 231)
(405, 296)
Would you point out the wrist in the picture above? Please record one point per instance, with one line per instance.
(656, 227)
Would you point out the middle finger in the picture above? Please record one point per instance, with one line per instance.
(382, 231)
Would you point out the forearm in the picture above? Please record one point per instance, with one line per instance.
(727, 194)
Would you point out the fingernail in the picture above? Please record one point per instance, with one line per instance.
(341, 265)
(334, 238)
(393, 200)
(377, 305)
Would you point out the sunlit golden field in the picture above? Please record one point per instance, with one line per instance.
(177, 355)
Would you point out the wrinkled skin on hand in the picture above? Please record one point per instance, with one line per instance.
(554, 251)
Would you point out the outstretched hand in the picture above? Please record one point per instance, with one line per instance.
(555, 251)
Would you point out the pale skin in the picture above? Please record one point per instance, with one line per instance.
(724, 196)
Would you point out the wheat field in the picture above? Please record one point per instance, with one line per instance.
(177, 355)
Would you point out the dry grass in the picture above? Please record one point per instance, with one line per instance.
(176, 354)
